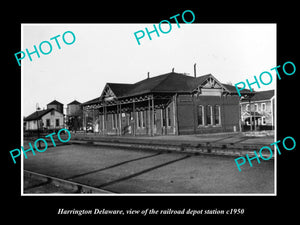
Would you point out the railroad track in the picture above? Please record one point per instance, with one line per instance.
(66, 185)
(41, 183)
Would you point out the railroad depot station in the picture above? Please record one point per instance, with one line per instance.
(167, 104)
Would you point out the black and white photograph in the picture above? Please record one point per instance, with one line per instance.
(158, 114)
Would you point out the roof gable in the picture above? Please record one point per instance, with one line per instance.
(54, 102)
(38, 114)
(107, 93)
(75, 102)
(209, 82)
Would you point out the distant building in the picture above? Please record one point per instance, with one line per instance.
(56, 105)
(171, 103)
(257, 111)
(74, 116)
(49, 119)
(74, 108)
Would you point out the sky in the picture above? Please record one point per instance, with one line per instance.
(109, 53)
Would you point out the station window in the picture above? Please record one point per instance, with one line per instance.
(200, 115)
(209, 115)
(217, 115)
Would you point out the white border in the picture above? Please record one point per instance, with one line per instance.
(22, 104)
(158, 194)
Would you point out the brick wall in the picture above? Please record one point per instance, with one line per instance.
(187, 114)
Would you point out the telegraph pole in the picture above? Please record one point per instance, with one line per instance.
(38, 127)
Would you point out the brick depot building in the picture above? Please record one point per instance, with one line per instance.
(167, 104)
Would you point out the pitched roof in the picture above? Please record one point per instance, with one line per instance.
(75, 102)
(37, 114)
(263, 95)
(54, 103)
(170, 82)
(232, 89)
(165, 83)
(120, 89)
(93, 101)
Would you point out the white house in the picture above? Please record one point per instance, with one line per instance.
(45, 119)
(258, 110)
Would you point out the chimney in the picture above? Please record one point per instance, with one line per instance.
(37, 107)
(148, 75)
(173, 69)
(195, 70)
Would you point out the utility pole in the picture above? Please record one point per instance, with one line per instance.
(38, 121)
(250, 115)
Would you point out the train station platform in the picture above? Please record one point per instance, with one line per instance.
(234, 143)
(230, 143)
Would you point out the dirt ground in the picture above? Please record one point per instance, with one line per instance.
(140, 171)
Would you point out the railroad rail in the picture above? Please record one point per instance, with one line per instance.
(74, 187)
